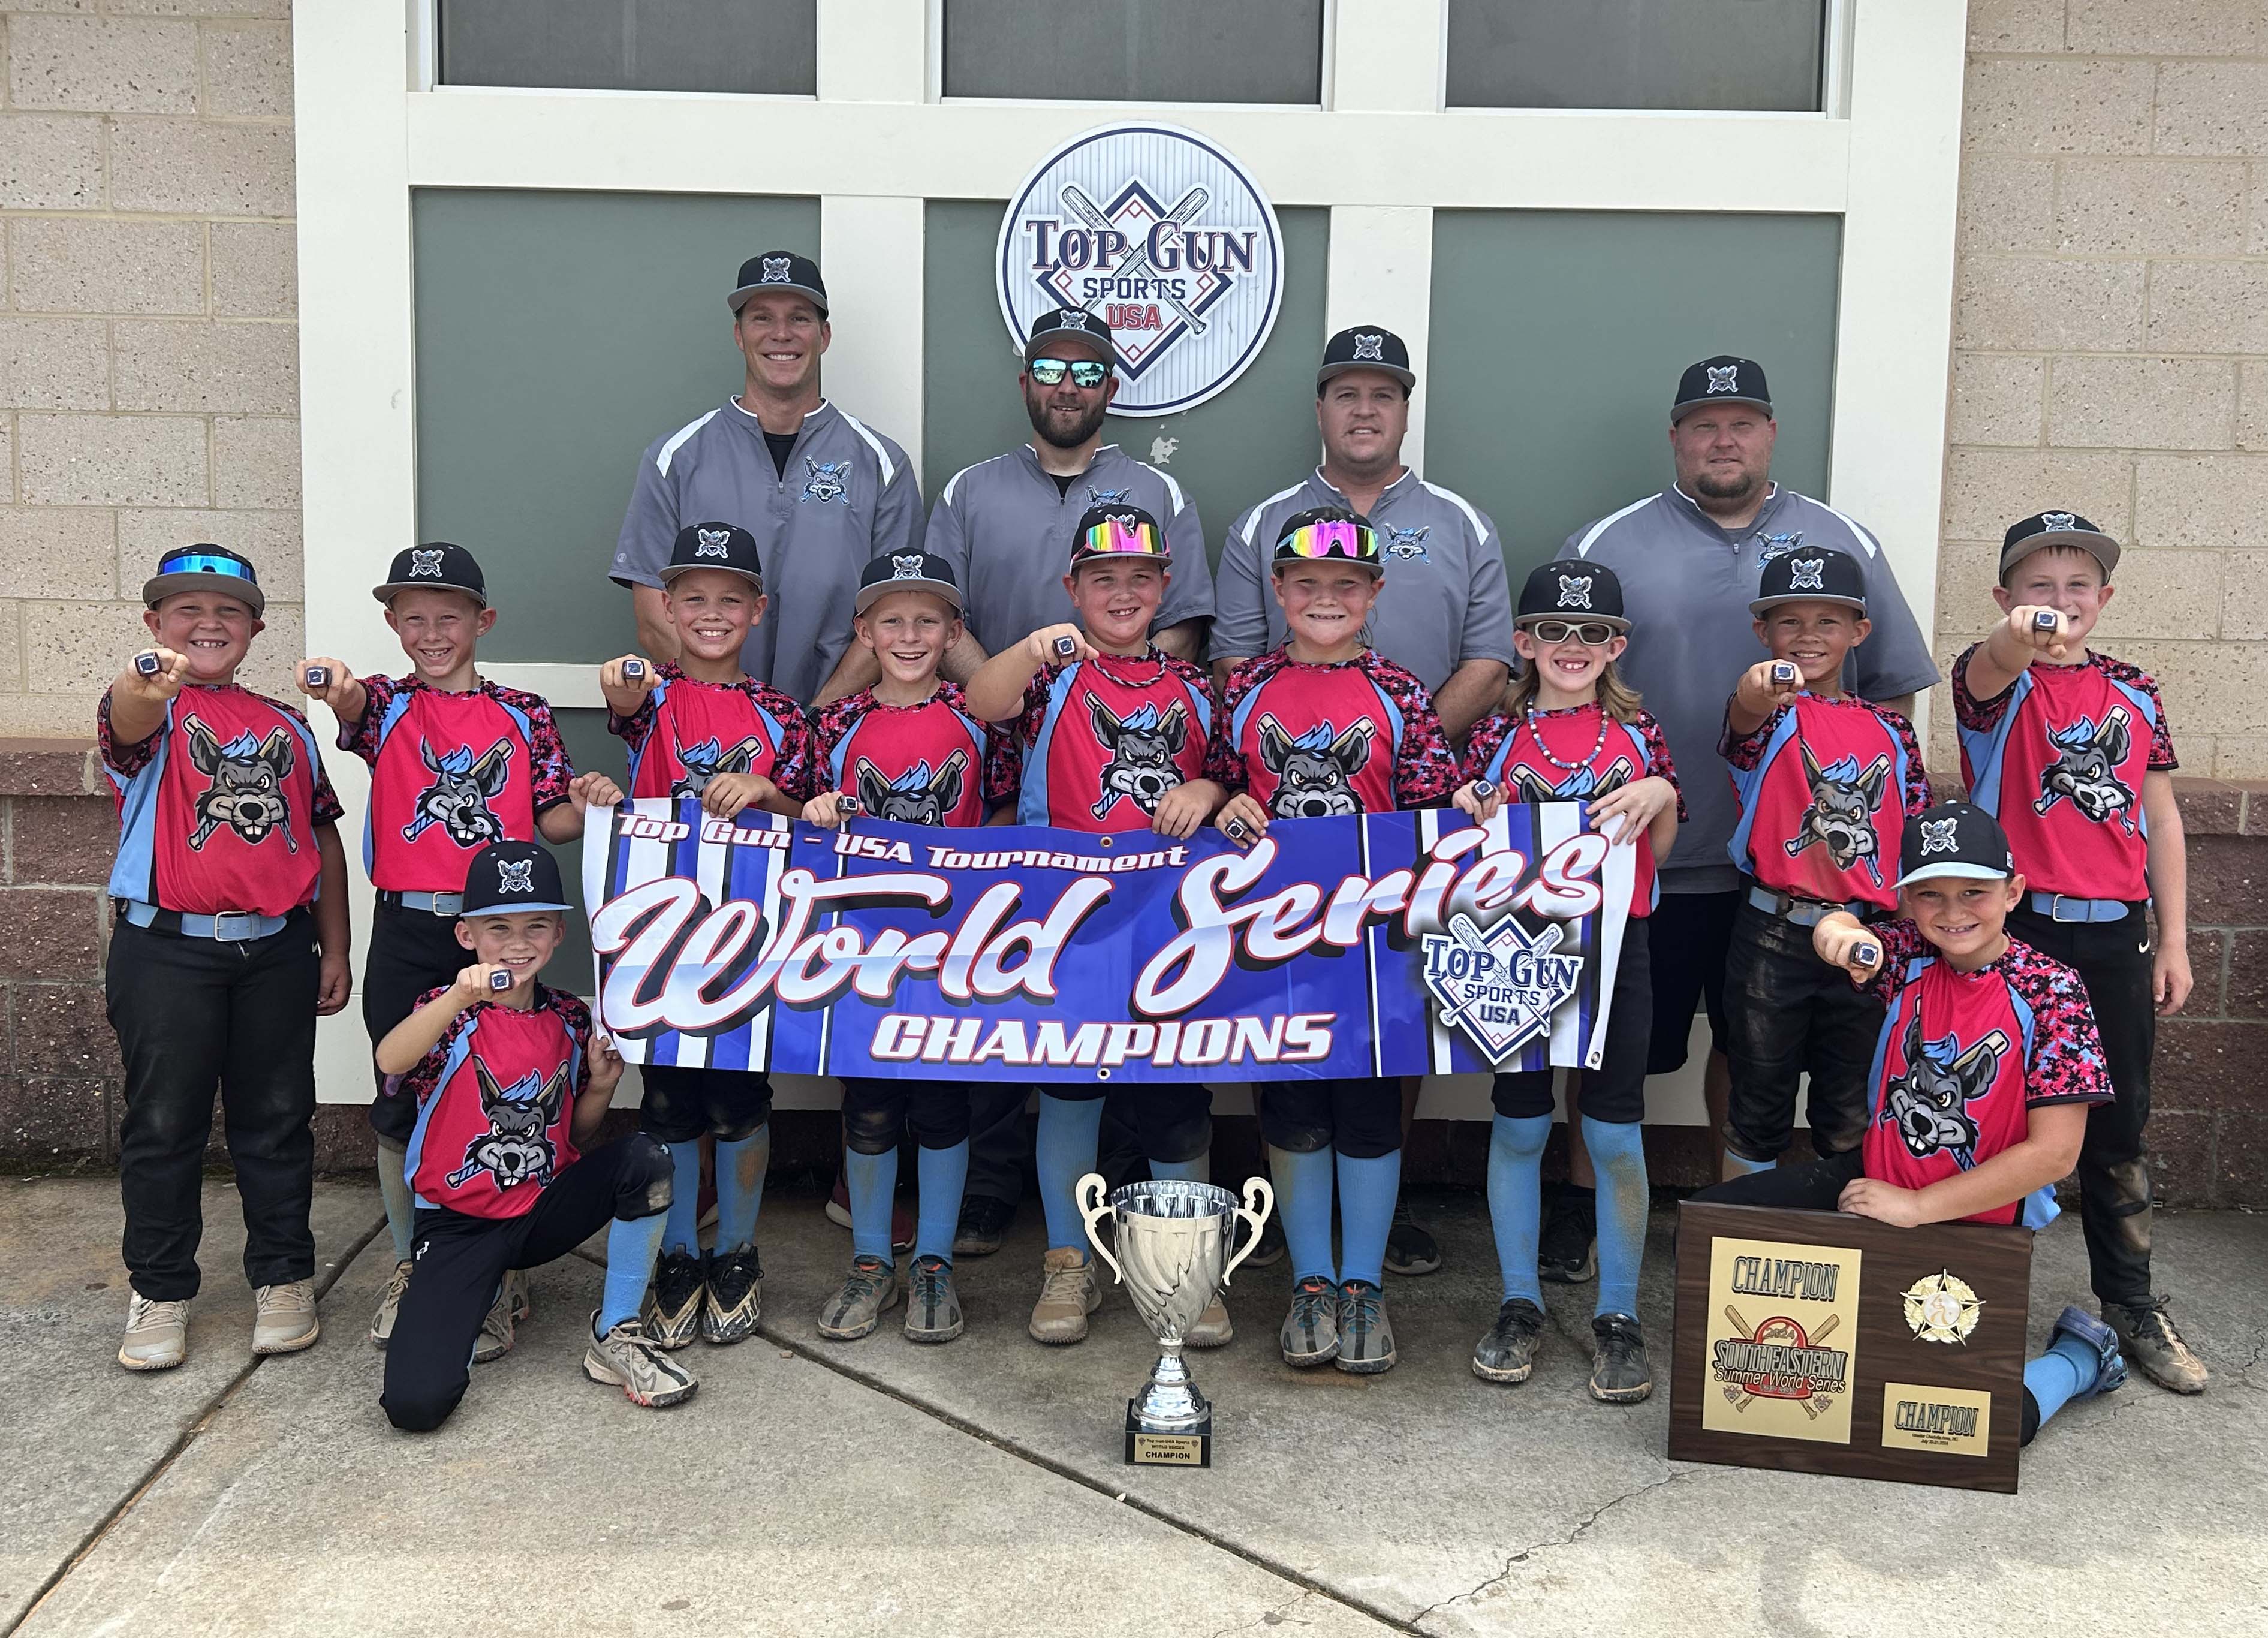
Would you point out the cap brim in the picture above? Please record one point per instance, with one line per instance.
(1762, 604)
(2102, 547)
(517, 907)
(1408, 378)
(1102, 350)
(738, 298)
(1278, 565)
(1162, 559)
(1952, 867)
(392, 589)
(670, 571)
(158, 587)
(868, 595)
(1678, 411)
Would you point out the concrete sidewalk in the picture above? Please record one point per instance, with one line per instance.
(976, 1488)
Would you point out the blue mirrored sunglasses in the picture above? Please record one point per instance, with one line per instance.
(205, 563)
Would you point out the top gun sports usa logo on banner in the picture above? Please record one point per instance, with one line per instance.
(1163, 235)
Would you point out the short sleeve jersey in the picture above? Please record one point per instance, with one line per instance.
(1825, 787)
(1102, 742)
(1575, 755)
(929, 763)
(218, 808)
(2058, 759)
(687, 731)
(450, 773)
(1309, 742)
(1963, 1057)
(495, 1104)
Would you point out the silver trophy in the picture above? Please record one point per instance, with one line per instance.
(1172, 1241)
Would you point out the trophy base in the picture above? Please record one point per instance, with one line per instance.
(1182, 1447)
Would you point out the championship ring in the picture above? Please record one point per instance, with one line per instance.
(148, 663)
(1866, 954)
(847, 806)
(2043, 620)
(500, 980)
(633, 669)
(1235, 830)
(1066, 647)
(319, 676)
(1783, 671)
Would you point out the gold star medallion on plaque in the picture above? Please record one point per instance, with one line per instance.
(1941, 1308)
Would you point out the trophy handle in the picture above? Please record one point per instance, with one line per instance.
(1259, 1200)
(1091, 1194)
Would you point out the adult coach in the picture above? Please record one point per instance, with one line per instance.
(821, 492)
(1006, 526)
(1446, 612)
(1689, 558)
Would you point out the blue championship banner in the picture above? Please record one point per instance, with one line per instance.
(1390, 944)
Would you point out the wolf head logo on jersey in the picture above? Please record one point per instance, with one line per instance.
(704, 762)
(774, 271)
(1107, 496)
(1770, 547)
(1841, 817)
(1929, 1102)
(245, 791)
(516, 1148)
(2084, 771)
(1582, 785)
(1407, 544)
(1575, 591)
(1315, 774)
(826, 481)
(1723, 378)
(915, 796)
(457, 799)
(712, 543)
(425, 565)
(1142, 744)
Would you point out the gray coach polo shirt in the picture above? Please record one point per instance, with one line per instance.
(1006, 531)
(849, 495)
(1686, 588)
(1444, 599)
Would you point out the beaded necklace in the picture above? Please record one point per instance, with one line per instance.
(1597, 745)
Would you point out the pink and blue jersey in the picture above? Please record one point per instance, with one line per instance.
(1309, 742)
(1825, 787)
(1964, 1057)
(218, 808)
(450, 773)
(1517, 754)
(2058, 758)
(495, 1104)
(687, 732)
(931, 764)
(1100, 742)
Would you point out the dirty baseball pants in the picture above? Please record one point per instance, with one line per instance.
(2116, 959)
(411, 951)
(1789, 1013)
(459, 1262)
(194, 1014)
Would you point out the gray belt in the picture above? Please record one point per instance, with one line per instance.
(2061, 907)
(231, 926)
(1804, 912)
(437, 903)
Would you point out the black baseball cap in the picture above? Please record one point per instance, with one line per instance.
(1071, 325)
(779, 269)
(204, 567)
(1328, 535)
(715, 546)
(1723, 379)
(510, 876)
(1954, 839)
(436, 567)
(1574, 590)
(1106, 532)
(907, 572)
(1367, 347)
(1811, 574)
(2043, 529)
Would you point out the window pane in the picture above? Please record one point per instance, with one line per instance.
(633, 45)
(1136, 50)
(1636, 54)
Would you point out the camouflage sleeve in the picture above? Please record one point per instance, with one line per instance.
(418, 1083)
(1978, 715)
(1916, 791)
(326, 808)
(549, 769)
(2065, 1065)
(1658, 764)
(830, 725)
(1034, 717)
(1902, 941)
(1004, 763)
(360, 736)
(633, 729)
(1746, 752)
(2162, 759)
(125, 761)
(1483, 743)
(795, 770)
(1425, 765)
(1223, 764)
(576, 1016)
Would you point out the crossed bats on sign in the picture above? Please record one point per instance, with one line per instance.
(1741, 1398)
(1136, 262)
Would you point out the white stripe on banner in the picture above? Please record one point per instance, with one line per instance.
(642, 861)
(709, 875)
(1618, 880)
(1557, 823)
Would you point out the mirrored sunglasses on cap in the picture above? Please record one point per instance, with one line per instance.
(1590, 633)
(1089, 372)
(193, 562)
(1330, 539)
(1112, 538)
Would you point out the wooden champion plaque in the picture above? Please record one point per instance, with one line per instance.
(1822, 1343)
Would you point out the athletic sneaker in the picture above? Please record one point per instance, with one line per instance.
(672, 1313)
(932, 1306)
(1409, 1250)
(869, 1291)
(983, 1225)
(1068, 1294)
(521, 1290)
(283, 1319)
(1567, 1253)
(2110, 1375)
(901, 1216)
(1270, 1251)
(1507, 1354)
(496, 1338)
(1621, 1374)
(156, 1334)
(2147, 1337)
(389, 1303)
(735, 1297)
(628, 1359)
(1310, 1336)
(1212, 1329)
(1366, 1339)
